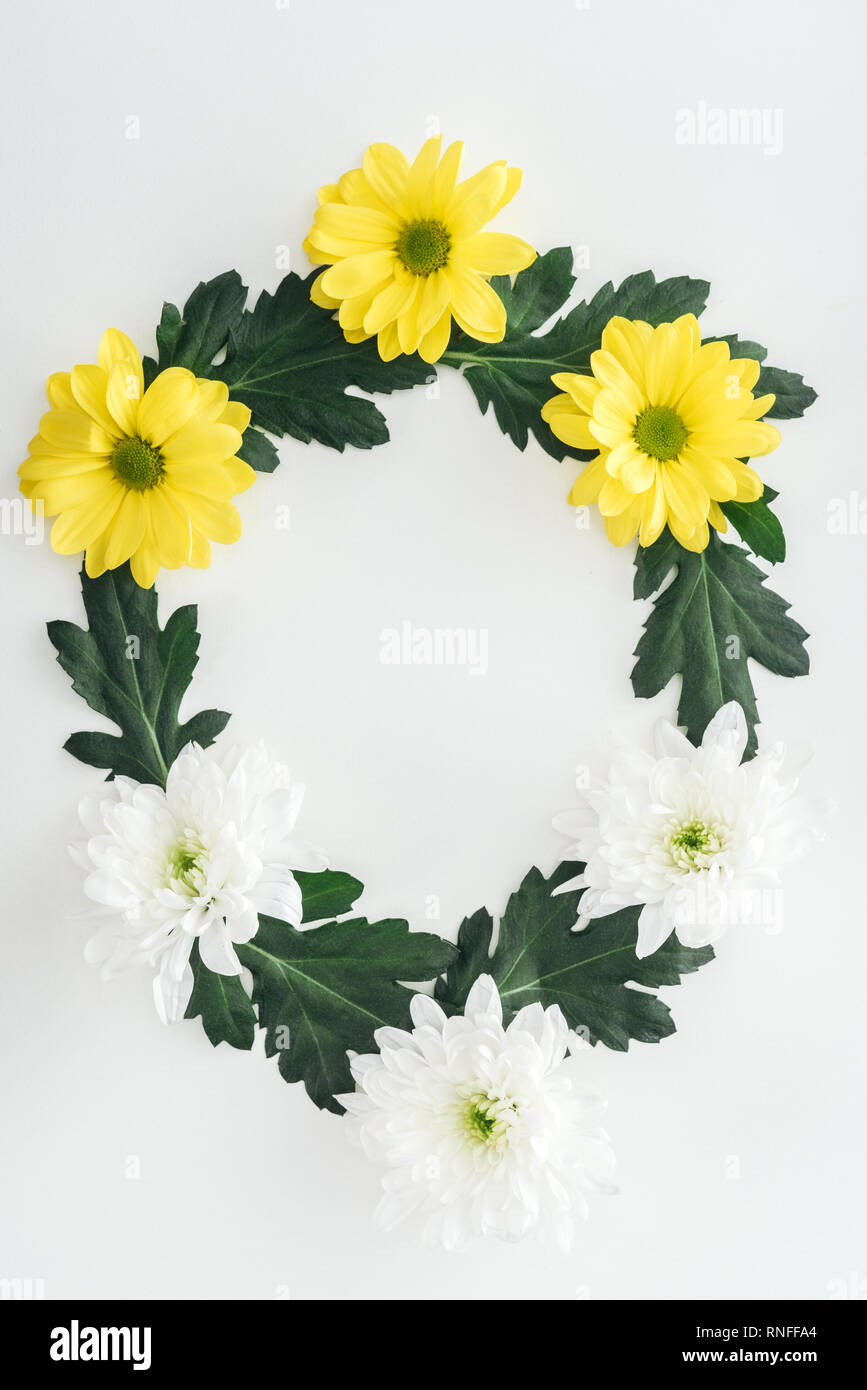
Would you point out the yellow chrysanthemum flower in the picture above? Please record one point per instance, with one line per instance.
(672, 419)
(144, 476)
(407, 253)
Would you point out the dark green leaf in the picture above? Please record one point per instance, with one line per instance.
(290, 363)
(793, 395)
(474, 946)
(758, 526)
(653, 565)
(515, 375)
(330, 893)
(322, 991)
(715, 615)
(222, 1002)
(194, 338)
(258, 450)
(135, 673)
(588, 973)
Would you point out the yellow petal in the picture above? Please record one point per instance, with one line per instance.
(75, 528)
(200, 553)
(319, 297)
(476, 199)
(170, 530)
(653, 513)
(357, 223)
(354, 311)
(759, 407)
(434, 301)
(693, 538)
(627, 340)
(611, 374)
(473, 332)
(241, 474)
(445, 178)
(408, 331)
(667, 365)
(61, 466)
(123, 396)
(387, 306)
(73, 431)
(57, 494)
(94, 557)
(475, 301)
(354, 188)
(614, 498)
(58, 389)
(358, 274)
(573, 429)
(197, 443)
(145, 562)
(236, 415)
(716, 517)
(494, 253)
(586, 487)
(514, 179)
(419, 193)
(612, 409)
(436, 340)
(744, 439)
(557, 405)
(582, 389)
(749, 485)
(637, 471)
(748, 369)
(89, 387)
(167, 405)
(210, 479)
(117, 347)
(388, 343)
(714, 474)
(621, 529)
(127, 529)
(606, 436)
(685, 496)
(386, 170)
(218, 520)
(212, 402)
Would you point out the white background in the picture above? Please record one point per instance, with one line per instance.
(429, 781)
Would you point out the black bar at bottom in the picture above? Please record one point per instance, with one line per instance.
(84, 1337)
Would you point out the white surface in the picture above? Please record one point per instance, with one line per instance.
(428, 781)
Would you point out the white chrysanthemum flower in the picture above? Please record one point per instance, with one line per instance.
(479, 1125)
(693, 834)
(198, 861)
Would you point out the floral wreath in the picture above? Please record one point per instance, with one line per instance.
(465, 1095)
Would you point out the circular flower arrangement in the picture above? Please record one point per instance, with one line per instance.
(468, 1094)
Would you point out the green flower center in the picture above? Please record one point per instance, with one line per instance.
(489, 1119)
(185, 863)
(660, 432)
(694, 844)
(136, 463)
(424, 246)
(480, 1122)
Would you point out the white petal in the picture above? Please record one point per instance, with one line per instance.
(654, 927)
(217, 951)
(483, 1000)
(728, 728)
(172, 996)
